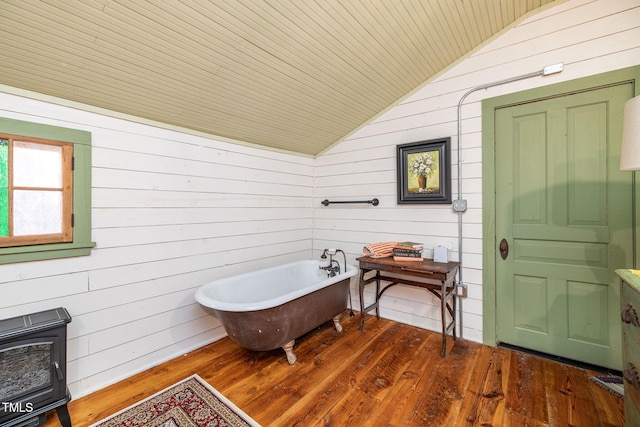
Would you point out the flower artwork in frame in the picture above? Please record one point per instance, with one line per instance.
(424, 172)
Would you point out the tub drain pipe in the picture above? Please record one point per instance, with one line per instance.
(460, 204)
(331, 253)
(351, 313)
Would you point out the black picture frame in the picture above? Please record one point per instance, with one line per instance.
(433, 157)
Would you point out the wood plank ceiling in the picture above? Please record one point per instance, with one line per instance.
(294, 75)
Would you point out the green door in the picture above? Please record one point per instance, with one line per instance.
(563, 224)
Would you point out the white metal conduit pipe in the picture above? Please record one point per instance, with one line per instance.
(460, 204)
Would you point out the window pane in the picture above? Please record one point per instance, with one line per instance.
(4, 212)
(37, 212)
(4, 187)
(37, 165)
(4, 163)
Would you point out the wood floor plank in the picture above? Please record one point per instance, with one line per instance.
(441, 402)
(385, 371)
(226, 368)
(515, 418)
(526, 380)
(399, 406)
(390, 374)
(569, 407)
(484, 401)
(354, 409)
(375, 380)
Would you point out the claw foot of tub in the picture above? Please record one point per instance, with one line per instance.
(288, 349)
(336, 322)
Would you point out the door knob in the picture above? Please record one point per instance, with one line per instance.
(504, 248)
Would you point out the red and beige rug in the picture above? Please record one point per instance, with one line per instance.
(191, 402)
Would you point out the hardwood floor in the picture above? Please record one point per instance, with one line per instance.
(390, 374)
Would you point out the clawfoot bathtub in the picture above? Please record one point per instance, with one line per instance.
(270, 308)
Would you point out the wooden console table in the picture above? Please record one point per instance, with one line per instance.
(438, 278)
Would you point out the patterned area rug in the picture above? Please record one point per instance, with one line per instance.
(191, 402)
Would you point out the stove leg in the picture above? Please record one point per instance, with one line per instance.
(63, 415)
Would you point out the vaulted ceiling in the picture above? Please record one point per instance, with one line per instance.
(295, 75)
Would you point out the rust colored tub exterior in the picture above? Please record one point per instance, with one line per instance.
(259, 328)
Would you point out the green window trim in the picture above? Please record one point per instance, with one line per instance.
(82, 244)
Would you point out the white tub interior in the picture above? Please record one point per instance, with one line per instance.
(270, 287)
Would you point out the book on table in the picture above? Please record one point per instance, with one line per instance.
(406, 253)
(407, 258)
(410, 245)
(415, 254)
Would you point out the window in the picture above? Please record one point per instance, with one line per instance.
(45, 189)
(36, 187)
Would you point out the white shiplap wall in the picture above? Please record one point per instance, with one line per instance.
(590, 37)
(170, 212)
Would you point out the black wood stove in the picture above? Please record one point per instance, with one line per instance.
(33, 368)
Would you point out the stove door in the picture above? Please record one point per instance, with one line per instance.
(31, 375)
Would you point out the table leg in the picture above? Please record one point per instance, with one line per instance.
(454, 302)
(378, 294)
(443, 305)
(361, 293)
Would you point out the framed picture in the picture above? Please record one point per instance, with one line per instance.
(424, 172)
